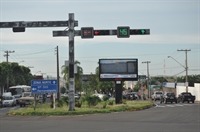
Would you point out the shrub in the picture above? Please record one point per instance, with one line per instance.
(60, 103)
(105, 97)
(78, 103)
(111, 102)
(92, 100)
(123, 101)
(104, 105)
(65, 99)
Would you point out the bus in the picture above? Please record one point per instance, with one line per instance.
(17, 91)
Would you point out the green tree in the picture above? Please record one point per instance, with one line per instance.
(16, 74)
(191, 79)
(78, 76)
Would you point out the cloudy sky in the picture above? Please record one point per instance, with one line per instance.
(173, 24)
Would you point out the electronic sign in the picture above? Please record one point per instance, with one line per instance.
(118, 69)
(123, 32)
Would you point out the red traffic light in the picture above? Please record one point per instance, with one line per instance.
(87, 32)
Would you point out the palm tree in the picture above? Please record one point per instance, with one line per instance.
(78, 75)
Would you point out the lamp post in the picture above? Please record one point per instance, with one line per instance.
(186, 69)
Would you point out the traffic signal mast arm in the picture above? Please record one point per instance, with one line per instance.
(102, 32)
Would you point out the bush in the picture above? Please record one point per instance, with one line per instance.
(92, 100)
(111, 102)
(60, 103)
(65, 99)
(78, 103)
(105, 97)
(104, 105)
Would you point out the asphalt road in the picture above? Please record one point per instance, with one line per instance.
(162, 118)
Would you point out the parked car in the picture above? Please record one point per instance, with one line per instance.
(77, 96)
(186, 96)
(156, 95)
(9, 101)
(100, 95)
(129, 96)
(168, 97)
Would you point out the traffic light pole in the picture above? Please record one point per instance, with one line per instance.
(71, 62)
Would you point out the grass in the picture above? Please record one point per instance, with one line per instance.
(45, 110)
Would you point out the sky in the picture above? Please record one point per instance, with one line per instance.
(173, 24)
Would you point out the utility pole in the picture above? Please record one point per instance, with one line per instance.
(148, 76)
(58, 77)
(186, 68)
(6, 55)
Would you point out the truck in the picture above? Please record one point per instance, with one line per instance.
(156, 95)
(186, 97)
(26, 99)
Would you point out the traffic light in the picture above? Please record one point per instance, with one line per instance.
(87, 32)
(101, 32)
(139, 31)
(123, 32)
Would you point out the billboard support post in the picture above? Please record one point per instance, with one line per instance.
(118, 92)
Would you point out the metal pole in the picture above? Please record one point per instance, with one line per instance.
(186, 68)
(71, 62)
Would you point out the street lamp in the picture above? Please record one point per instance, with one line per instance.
(37, 72)
(186, 69)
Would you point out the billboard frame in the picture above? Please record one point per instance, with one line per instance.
(125, 76)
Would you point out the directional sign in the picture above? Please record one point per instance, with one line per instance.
(142, 76)
(34, 24)
(44, 86)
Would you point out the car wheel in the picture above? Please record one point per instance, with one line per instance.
(188, 101)
(193, 101)
(20, 105)
(171, 102)
(176, 102)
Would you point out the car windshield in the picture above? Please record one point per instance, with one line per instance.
(170, 94)
(8, 98)
(27, 95)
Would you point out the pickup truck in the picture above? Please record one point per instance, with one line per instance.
(186, 96)
(156, 95)
(26, 99)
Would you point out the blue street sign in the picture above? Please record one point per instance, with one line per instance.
(44, 86)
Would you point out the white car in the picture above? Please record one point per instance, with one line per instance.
(99, 95)
(9, 101)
